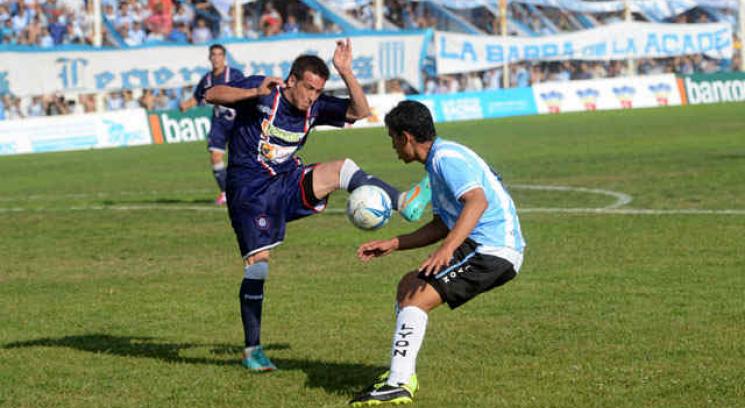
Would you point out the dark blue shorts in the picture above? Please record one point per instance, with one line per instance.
(218, 136)
(261, 207)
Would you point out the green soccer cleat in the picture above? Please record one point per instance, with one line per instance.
(415, 200)
(379, 392)
(257, 361)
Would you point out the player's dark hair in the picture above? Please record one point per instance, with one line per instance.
(218, 47)
(310, 63)
(413, 117)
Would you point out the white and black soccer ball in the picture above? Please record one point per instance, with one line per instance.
(369, 207)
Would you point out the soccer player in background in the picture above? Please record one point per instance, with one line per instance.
(222, 117)
(482, 245)
(268, 185)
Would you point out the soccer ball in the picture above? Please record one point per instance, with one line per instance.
(369, 207)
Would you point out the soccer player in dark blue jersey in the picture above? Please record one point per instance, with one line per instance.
(222, 117)
(268, 185)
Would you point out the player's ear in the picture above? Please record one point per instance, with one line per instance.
(291, 81)
(408, 137)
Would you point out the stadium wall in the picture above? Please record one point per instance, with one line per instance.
(138, 127)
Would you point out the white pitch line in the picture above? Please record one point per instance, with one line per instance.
(621, 198)
(206, 208)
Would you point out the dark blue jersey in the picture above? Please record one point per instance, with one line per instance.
(268, 130)
(208, 81)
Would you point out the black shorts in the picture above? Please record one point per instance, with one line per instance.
(469, 274)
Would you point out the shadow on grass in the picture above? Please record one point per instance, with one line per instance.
(336, 378)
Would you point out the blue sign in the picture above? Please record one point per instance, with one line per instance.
(479, 105)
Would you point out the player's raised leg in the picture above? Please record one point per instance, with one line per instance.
(256, 271)
(331, 176)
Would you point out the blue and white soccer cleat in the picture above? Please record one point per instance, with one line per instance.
(414, 201)
(257, 361)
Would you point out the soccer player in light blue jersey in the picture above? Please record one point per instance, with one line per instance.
(268, 184)
(481, 246)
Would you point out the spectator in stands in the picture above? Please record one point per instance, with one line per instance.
(57, 30)
(115, 101)
(183, 15)
(270, 21)
(159, 22)
(123, 16)
(7, 33)
(35, 108)
(201, 33)
(180, 33)
(55, 105)
(13, 108)
(88, 102)
(46, 40)
(291, 26)
(248, 29)
(474, 82)
(109, 13)
(137, 33)
(147, 100)
(210, 14)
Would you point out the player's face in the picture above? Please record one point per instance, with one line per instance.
(304, 91)
(217, 58)
(403, 147)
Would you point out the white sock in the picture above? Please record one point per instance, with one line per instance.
(347, 171)
(411, 324)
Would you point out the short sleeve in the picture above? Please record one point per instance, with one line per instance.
(200, 90)
(331, 110)
(248, 82)
(236, 74)
(459, 174)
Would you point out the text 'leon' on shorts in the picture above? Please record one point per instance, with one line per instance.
(468, 274)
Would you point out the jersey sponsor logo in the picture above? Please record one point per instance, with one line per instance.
(270, 130)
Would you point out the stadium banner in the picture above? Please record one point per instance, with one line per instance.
(174, 126)
(377, 55)
(659, 9)
(457, 52)
(713, 88)
(479, 105)
(74, 132)
(614, 93)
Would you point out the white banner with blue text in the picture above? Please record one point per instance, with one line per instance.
(463, 53)
(35, 72)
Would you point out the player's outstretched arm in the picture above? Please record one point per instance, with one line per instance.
(188, 104)
(228, 95)
(358, 107)
(430, 233)
(474, 205)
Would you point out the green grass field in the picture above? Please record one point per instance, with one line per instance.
(119, 281)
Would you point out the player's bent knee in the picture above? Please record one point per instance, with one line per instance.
(256, 271)
(262, 256)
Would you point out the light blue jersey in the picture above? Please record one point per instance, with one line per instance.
(454, 170)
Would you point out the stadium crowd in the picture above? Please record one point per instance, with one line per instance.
(53, 23)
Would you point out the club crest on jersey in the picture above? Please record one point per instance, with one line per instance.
(269, 130)
(262, 222)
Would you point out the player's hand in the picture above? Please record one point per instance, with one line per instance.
(268, 84)
(343, 56)
(436, 261)
(375, 249)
